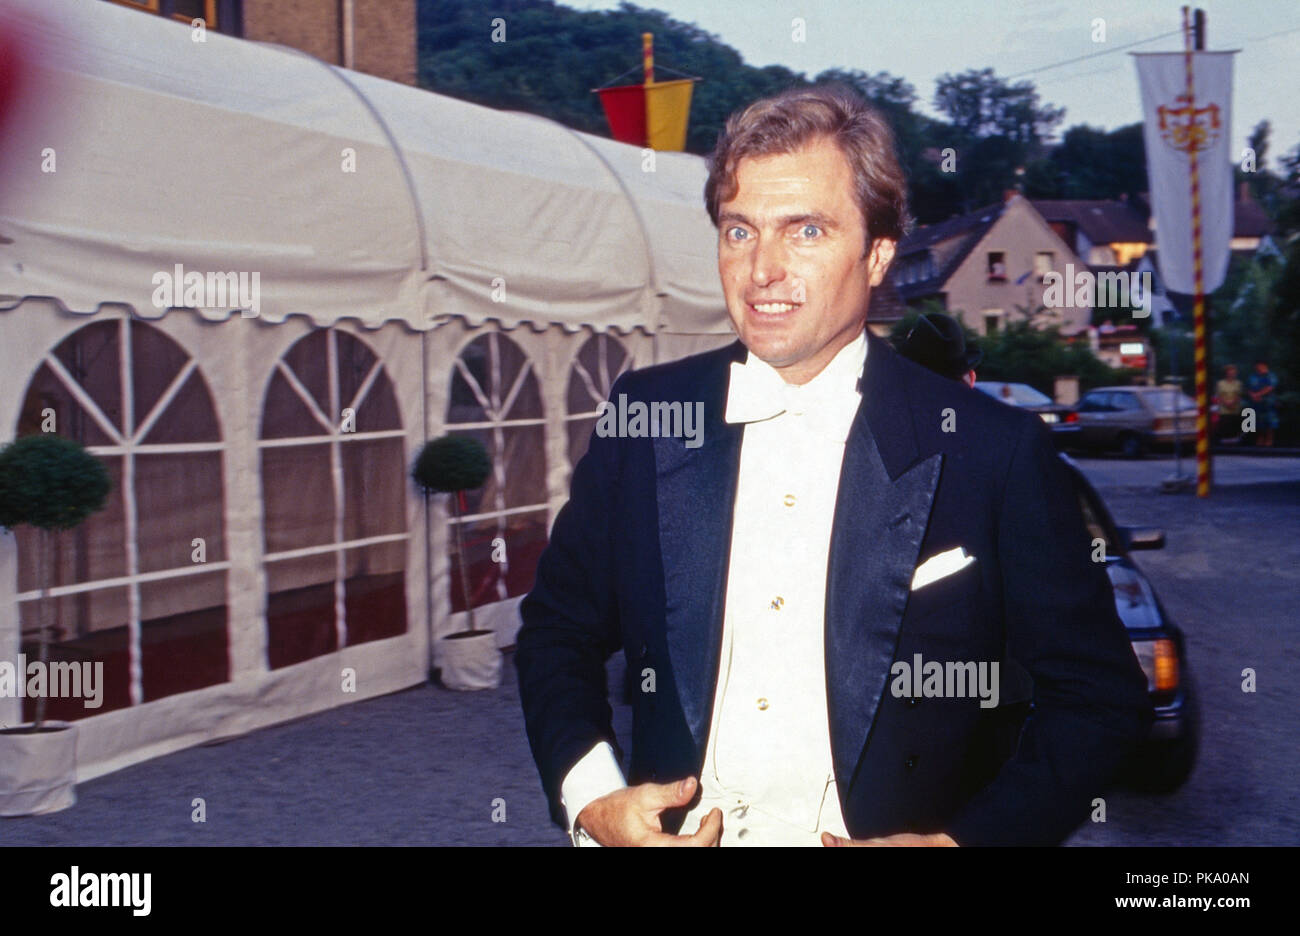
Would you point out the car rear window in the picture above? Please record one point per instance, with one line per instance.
(1166, 399)
(1020, 394)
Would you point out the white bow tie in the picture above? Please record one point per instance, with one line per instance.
(756, 392)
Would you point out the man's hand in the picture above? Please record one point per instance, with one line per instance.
(939, 839)
(631, 816)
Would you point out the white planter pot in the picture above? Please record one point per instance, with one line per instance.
(471, 662)
(38, 772)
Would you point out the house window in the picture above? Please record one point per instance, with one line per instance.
(334, 498)
(1044, 263)
(190, 10)
(1102, 255)
(186, 11)
(495, 397)
(992, 320)
(129, 588)
(997, 266)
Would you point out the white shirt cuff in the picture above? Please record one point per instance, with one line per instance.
(594, 776)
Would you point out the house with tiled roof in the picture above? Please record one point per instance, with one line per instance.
(1104, 233)
(980, 264)
(981, 267)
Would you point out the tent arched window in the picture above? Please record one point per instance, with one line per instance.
(496, 398)
(140, 586)
(599, 362)
(334, 492)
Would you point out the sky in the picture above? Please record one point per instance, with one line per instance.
(921, 39)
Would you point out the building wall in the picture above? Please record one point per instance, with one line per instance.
(1020, 233)
(384, 38)
(309, 25)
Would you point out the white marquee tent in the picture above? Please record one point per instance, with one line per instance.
(421, 265)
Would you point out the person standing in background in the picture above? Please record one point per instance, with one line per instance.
(1228, 396)
(1261, 387)
(938, 342)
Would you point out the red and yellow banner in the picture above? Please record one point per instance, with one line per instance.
(653, 113)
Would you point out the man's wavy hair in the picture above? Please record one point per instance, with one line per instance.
(787, 121)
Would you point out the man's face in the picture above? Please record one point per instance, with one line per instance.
(790, 255)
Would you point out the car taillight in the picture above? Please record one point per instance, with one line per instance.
(1160, 425)
(1166, 666)
(1159, 660)
(1071, 416)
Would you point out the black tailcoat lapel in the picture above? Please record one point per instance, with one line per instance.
(696, 490)
(881, 513)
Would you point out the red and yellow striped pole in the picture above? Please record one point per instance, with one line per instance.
(1198, 314)
(648, 56)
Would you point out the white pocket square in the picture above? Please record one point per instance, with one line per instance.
(940, 566)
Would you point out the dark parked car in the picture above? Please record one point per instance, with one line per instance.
(1134, 419)
(1063, 420)
(1166, 760)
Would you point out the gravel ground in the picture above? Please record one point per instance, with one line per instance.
(418, 767)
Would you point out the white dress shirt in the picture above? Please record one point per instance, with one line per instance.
(768, 757)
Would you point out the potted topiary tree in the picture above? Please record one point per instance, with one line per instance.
(452, 465)
(51, 484)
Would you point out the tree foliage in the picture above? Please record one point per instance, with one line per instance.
(979, 104)
(1023, 353)
(1091, 163)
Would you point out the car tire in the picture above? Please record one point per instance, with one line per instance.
(1164, 766)
(1131, 445)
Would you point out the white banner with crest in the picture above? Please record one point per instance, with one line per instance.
(1174, 127)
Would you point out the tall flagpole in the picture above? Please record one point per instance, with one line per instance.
(1198, 274)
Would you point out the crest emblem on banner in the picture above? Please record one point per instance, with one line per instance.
(1199, 127)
